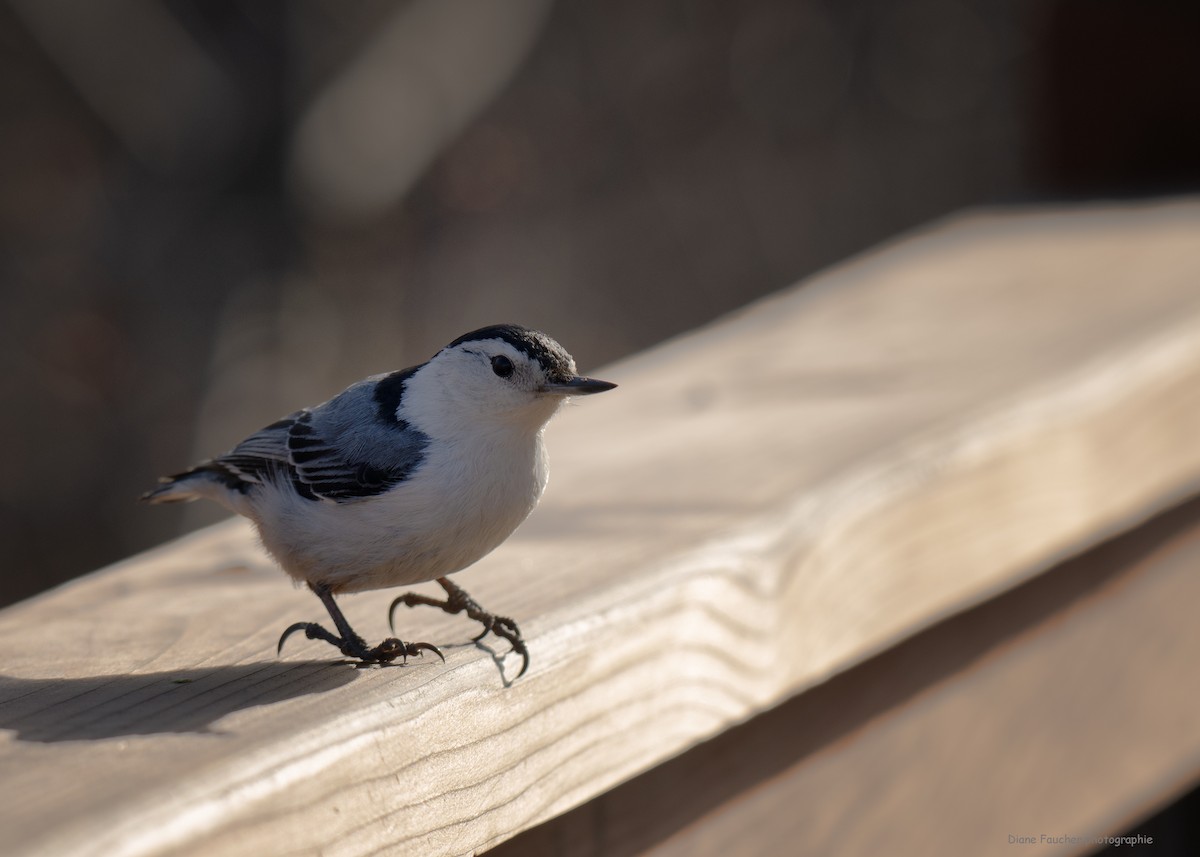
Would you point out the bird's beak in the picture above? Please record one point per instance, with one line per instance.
(578, 387)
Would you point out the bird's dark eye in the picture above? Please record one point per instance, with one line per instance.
(502, 366)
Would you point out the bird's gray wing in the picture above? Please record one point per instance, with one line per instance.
(349, 448)
(260, 458)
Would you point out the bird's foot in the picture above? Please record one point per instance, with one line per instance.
(458, 601)
(506, 629)
(353, 646)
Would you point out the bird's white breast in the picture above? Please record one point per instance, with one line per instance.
(467, 497)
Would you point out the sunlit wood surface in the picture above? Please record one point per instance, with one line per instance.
(1048, 720)
(762, 505)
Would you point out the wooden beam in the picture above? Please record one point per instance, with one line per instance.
(764, 504)
(1062, 709)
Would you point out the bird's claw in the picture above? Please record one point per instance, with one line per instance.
(507, 629)
(408, 599)
(458, 601)
(355, 647)
(283, 637)
(414, 650)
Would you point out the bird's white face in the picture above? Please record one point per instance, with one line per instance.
(503, 381)
(482, 384)
(496, 378)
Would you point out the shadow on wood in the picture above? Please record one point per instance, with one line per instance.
(188, 700)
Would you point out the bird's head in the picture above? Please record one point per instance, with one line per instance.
(506, 373)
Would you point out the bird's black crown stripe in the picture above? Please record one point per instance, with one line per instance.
(532, 343)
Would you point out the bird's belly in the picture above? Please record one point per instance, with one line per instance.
(434, 524)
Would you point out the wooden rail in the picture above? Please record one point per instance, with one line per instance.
(783, 497)
(1063, 708)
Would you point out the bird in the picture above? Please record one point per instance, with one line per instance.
(403, 477)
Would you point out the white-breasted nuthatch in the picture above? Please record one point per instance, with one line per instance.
(401, 478)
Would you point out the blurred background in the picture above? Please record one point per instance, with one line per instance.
(214, 212)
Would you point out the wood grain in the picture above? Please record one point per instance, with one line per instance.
(1064, 707)
(762, 505)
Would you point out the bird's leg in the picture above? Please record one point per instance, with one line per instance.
(349, 643)
(458, 601)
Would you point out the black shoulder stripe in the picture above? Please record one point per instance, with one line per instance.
(389, 392)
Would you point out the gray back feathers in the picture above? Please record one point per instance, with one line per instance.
(349, 448)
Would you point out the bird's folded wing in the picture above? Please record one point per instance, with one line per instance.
(341, 451)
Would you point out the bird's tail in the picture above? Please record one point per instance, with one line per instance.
(203, 480)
